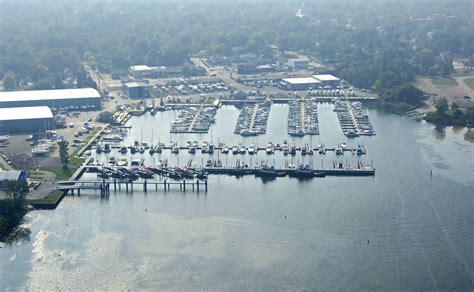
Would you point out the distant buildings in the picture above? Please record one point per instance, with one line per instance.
(245, 68)
(11, 175)
(300, 83)
(252, 68)
(328, 80)
(313, 82)
(55, 98)
(140, 71)
(144, 71)
(26, 119)
(137, 89)
(298, 64)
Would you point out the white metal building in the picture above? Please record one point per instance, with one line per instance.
(328, 80)
(26, 119)
(55, 98)
(300, 83)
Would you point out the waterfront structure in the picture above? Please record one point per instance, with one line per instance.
(137, 89)
(55, 98)
(328, 80)
(26, 119)
(300, 83)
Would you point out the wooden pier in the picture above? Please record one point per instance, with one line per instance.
(128, 185)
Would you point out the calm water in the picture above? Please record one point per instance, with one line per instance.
(401, 229)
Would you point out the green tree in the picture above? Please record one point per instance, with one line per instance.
(63, 153)
(441, 105)
(16, 189)
(9, 82)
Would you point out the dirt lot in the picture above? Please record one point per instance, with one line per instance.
(451, 92)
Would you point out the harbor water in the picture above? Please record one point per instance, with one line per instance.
(409, 227)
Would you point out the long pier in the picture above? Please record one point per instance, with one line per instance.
(128, 185)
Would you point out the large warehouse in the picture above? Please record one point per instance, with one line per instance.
(300, 83)
(328, 80)
(25, 119)
(137, 89)
(56, 98)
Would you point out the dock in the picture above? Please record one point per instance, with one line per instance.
(104, 186)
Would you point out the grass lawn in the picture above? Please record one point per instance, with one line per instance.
(469, 82)
(61, 174)
(52, 198)
(85, 141)
(464, 104)
(444, 81)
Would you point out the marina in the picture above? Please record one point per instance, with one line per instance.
(253, 119)
(117, 154)
(209, 148)
(217, 167)
(194, 120)
(303, 118)
(353, 119)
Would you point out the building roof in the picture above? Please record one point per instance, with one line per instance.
(25, 113)
(326, 77)
(304, 80)
(136, 84)
(53, 94)
(140, 68)
(9, 175)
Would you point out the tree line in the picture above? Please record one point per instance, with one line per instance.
(373, 44)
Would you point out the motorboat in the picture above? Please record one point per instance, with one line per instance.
(136, 162)
(242, 149)
(175, 149)
(266, 171)
(122, 162)
(112, 160)
(225, 150)
(251, 149)
(270, 149)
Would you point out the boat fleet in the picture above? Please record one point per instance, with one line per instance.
(137, 170)
(353, 119)
(253, 118)
(44, 147)
(194, 120)
(303, 118)
(205, 147)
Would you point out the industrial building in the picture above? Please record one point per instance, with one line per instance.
(11, 175)
(26, 119)
(328, 80)
(55, 98)
(300, 83)
(137, 89)
(298, 64)
(245, 68)
(140, 71)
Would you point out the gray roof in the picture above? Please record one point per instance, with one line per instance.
(25, 113)
(54, 94)
(10, 175)
(136, 84)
